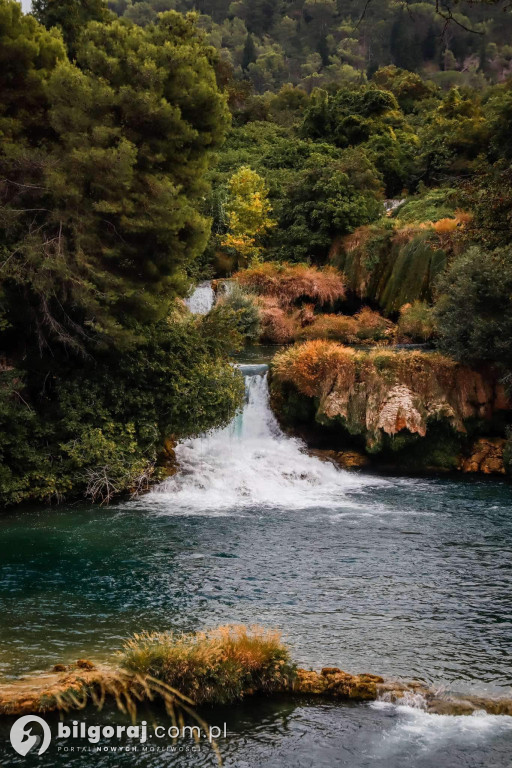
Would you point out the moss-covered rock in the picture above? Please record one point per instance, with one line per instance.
(393, 264)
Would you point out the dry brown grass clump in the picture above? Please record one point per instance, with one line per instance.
(217, 666)
(290, 283)
(366, 326)
(75, 686)
(314, 365)
(277, 325)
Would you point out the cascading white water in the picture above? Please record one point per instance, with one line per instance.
(252, 463)
(202, 300)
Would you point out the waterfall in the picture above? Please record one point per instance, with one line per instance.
(392, 205)
(252, 463)
(202, 299)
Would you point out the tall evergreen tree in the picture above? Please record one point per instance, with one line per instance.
(101, 221)
(249, 52)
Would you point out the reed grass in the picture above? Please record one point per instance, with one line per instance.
(216, 666)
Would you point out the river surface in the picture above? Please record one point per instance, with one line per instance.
(402, 577)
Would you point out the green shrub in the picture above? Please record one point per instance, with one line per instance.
(416, 322)
(431, 205)
(474, 307)
(245, 310)
(95, 429)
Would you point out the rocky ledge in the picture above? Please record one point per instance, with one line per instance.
(408, 408)
(69, 687)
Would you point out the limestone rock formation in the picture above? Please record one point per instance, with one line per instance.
(386, 397)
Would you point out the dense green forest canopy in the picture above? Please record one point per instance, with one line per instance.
(318, 42)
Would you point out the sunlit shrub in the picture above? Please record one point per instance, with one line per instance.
(215, 666)
(444, 226)
(314, 365)
(338, 327)
(290, 283)
(365, 326)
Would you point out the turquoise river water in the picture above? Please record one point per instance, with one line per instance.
(408, 578)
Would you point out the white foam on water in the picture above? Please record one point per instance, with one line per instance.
(252, 463)
(202, 299)
(423, 731)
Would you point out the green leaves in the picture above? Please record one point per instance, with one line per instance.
(109, 206)
(474, 307)
(103, 169)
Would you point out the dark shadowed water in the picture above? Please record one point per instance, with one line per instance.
(400, 577)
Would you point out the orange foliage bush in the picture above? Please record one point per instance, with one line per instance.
(277, 326)
(288, 283)
(463, 217)
(445, 226)
(366, 325)
(314, 365)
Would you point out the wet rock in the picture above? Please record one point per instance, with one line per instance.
(85, 664)
(167, 457)
(343, 459)
(351, 459)
(450, 707)
(335, 683)
(486, 456)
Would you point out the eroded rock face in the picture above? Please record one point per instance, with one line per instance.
(383, 393)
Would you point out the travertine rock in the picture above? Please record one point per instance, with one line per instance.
(486, 456)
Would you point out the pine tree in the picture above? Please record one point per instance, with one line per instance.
(249, 52)
(70, 16)
(101, 221)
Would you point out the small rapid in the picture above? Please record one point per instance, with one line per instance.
(202, 299)
(427, 735)
(252, 463)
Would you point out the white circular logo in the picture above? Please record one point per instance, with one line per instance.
(22, 738)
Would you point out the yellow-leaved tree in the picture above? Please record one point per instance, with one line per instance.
(248, 215)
